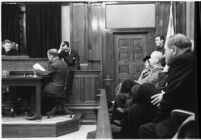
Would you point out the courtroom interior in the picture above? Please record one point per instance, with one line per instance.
(99, 69)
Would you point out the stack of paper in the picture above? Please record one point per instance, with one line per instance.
(37, 66)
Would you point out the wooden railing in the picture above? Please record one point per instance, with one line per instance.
(103, 130)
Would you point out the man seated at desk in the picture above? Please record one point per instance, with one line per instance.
(7, 48)
(56, 74)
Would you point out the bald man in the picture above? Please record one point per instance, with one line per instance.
(180, 92)
(56, 74)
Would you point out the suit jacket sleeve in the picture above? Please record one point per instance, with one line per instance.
(77, 61)
(61, 54)
(178, 72)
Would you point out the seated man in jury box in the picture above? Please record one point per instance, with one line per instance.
(180, 92)
(56, 74)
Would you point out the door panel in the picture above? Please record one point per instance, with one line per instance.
(130, 49)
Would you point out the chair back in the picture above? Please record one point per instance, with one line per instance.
(15, 46)
(187, 124)
(67, 86)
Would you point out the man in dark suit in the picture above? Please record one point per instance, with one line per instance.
(56, 73)
(180, 92)
(72, 59)
(7, 48)
(70, 56)
(159, 41)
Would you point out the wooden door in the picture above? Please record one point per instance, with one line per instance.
(130, 49)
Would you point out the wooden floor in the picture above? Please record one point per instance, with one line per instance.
(19, 127)
(77, 135)
(21, 120)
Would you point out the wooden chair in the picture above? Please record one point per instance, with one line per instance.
(15, 46)
(60, 100)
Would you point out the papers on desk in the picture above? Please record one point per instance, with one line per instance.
(37, 66)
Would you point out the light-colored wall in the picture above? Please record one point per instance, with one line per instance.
(190, 21)
(130, 16)
(65, 22)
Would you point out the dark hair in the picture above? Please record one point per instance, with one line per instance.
(162, 37)
(66, 43)
(53, 52)
(6, 41)
(180, 41)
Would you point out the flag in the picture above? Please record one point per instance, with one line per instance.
(170, 30)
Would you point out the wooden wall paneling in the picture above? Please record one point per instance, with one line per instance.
(79, 25)
(76, 89)
(150, 41)
(190, 20)
(180, 17)
(95, 35)
(85, 86)
(22, 64)
(109, 67)
(82, 90)
(95, 31)
(88, 96)
(95, 64)
(162, 17)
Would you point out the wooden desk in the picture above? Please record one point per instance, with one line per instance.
(20, 80)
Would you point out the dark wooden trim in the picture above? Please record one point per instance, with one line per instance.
(94, 61)
(128, 2)
(71, 26)
(103, 122)
(22, 58)
(131, 30)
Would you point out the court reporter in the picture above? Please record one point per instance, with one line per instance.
(55, 76)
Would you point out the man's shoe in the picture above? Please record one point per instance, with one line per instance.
(117, 123)
(34, 117)
(29, 114)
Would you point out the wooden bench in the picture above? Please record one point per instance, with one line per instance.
(103, 122)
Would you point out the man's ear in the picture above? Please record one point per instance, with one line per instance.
(175, 50)
(163, 41)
